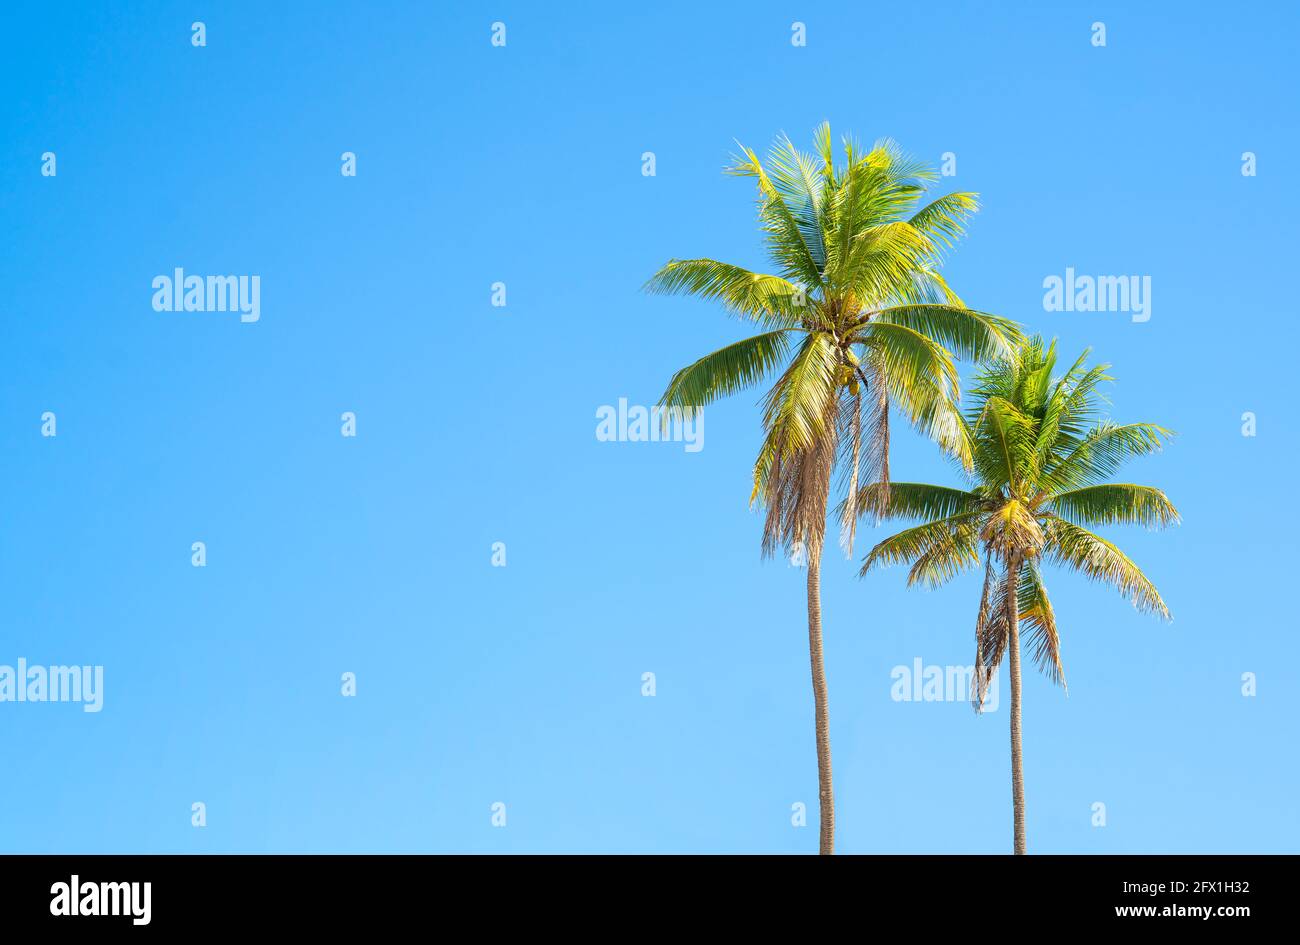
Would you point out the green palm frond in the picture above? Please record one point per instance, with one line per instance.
(824, 145)
(883, 261)
(785, 240)
(922, 381)
(942, 562)
(907, 170)
(845, 210)
(728, 370)
(1033, 384)
(975, 336)
(928, 287)
(769, 300)
(1069, 410)
(1075, 547)
(1115, 504)
(1004, 439)
(1099, 454)
(916, 367)
(797, 405)
(917, 500)
(944, 220)
(892, 181)
(908, 545)
(1074, 407)
(797, 179)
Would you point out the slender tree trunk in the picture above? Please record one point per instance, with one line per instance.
(826, 797)
(1013, 647)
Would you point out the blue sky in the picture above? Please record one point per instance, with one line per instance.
(475, 424)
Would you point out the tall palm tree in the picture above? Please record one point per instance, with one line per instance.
(857, 318)
(1042, 456)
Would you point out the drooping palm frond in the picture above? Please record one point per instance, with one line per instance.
(1075, 547)
(795, 489)
(992, 628)
(851, 405)
(877, 432)
(867, 451)
(1036, 616)
(911, 543)
(728, 370)
(1036, 611)
(920, 378)
(984, 669)
(797, 410)
(944, 560)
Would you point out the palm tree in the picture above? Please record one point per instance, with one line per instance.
(857, 318)
(1042, 456)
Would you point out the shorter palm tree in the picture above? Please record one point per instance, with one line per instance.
(1041, 454)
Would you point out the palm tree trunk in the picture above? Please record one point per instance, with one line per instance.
(1013, 646)
(826, 797)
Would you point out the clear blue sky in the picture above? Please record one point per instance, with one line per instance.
(476, 424)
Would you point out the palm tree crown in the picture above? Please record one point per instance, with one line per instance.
(1041, 454)
(857, 314)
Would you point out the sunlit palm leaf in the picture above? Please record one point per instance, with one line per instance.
(944, 220)
(1115, 504)
(784, 237)
(769, 300)
(1075, 547)
(1102, 452)
(942, 562)
(911, 543)
(728, 370)
(918, 500)
(968, 334)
